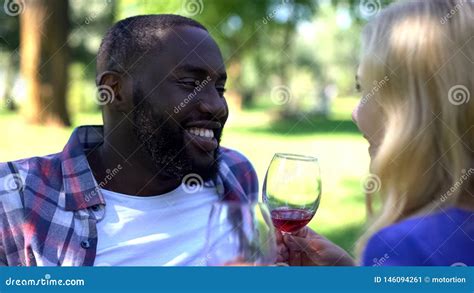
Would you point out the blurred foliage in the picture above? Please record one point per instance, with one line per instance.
(361, 10)
(246, 33)
(9, 37)
(90, 20)
(310, 47)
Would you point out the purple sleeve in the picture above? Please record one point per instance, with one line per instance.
(392, 247)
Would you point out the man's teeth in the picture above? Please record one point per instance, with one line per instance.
(202, 132)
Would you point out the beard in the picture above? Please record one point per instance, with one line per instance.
(163, 141)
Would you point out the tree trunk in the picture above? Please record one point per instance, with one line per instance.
(10, 72)
(44, 29)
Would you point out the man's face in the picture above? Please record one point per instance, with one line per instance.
(180, 109)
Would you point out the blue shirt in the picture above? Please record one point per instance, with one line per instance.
(444, 238)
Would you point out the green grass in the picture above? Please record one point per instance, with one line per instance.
(341, 150)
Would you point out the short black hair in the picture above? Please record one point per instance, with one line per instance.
(129, 39)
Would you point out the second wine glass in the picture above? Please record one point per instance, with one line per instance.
(240, 234)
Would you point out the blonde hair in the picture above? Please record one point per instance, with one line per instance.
(425, 50)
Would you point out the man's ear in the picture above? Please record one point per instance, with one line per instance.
(115, 91)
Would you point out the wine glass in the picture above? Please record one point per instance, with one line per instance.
(240, 234)
(292, 190)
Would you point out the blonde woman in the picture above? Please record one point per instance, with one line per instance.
(416, 78)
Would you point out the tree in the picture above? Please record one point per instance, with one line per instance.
(9, 42)
(251, 31)
(44, 50)
(242, 30)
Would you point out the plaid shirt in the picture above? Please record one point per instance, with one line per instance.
(49, 206)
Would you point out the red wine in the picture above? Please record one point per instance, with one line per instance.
(290, 220)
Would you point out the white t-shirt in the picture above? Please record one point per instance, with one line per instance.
(163, 230)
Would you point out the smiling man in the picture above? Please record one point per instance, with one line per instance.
(137, 190)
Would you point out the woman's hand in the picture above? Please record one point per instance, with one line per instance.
(282, 249)
(307, 248)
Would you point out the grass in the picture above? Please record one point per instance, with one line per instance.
(341, 150)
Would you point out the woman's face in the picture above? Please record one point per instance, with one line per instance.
(368, 114)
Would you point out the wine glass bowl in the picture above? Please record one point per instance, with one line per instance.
(240, 234)
(292, 190)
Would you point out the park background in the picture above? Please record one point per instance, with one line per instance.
(291, 67)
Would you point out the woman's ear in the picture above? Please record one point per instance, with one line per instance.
(114, 92)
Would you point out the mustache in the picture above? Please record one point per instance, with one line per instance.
(163, 141)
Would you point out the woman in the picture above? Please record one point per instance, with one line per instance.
(416, 78)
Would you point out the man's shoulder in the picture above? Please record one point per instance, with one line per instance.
(14, 174)
(242, 170)
(29, 163)
(232, 157)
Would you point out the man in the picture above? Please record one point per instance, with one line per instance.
(137, 191)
